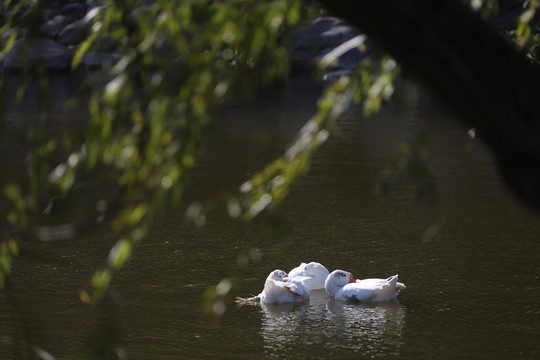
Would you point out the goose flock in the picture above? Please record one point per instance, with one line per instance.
(280, 287)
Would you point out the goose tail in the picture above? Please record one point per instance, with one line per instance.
(399, 285)
(389, 291)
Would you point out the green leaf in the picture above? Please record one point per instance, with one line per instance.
(83, 49)
(13, 192)
(9, 43)
(131, 216)
(258, 41)
(101, 279)
(120, 253)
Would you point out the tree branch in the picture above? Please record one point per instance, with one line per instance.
(490, 85)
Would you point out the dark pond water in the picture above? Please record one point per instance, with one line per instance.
(472, 290)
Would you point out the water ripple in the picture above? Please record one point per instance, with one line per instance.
(325, 324)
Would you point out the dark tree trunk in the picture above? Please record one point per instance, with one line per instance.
(492, 87)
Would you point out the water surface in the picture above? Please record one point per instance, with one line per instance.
(472, 290)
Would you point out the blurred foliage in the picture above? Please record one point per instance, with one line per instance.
(487, 8)
(149, 113)
(528, 29)
(371, 83)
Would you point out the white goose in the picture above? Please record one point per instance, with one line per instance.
(342, 286)
(278, 289)
(312, 275)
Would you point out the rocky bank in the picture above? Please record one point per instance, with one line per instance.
(66, 24)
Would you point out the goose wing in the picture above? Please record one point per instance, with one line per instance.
(370, 289)
(296, 288)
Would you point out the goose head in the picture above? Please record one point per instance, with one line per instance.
(277, 275)
(316, 269)
(336, 280)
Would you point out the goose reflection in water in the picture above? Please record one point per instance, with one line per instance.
(325, 325)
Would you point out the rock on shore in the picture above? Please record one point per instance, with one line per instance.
(67, 24)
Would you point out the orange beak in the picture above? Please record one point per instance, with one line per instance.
(351, 279)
